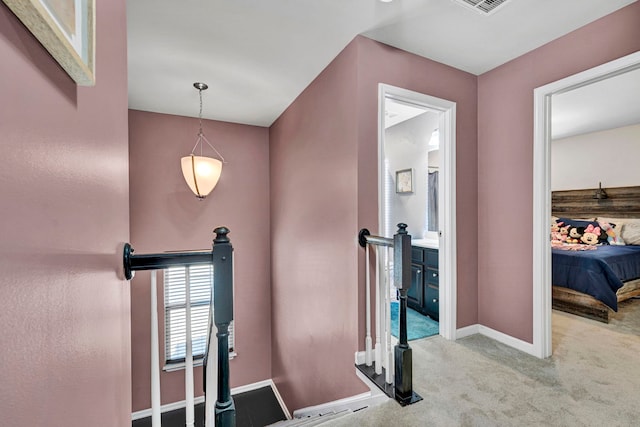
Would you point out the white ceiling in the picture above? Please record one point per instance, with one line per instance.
(607, 104)
(396, 112)
(257, 56)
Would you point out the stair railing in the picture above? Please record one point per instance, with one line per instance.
(221, 257)
(397, 382)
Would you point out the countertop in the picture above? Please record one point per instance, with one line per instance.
(426, 243)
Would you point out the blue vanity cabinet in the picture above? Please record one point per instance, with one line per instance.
(424, 294)
(415, 294)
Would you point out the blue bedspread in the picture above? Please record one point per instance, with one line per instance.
(599, 273)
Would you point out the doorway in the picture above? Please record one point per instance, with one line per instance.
(426, 159)
(542, 333)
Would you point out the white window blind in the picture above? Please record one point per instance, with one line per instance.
(200, 283)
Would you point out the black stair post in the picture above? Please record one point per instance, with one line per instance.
(402, 278)
(225, 412)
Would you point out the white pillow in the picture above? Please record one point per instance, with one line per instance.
(631, 233)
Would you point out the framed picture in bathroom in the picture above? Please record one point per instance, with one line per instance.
(404, 181)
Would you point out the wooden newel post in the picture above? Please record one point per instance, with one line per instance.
(225, 411)
(402, 390)
(402, 279)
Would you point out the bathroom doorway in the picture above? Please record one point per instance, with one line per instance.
(416, 185)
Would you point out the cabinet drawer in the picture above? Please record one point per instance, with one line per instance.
(432, 276)
(417, 254)
(431, 300)
(431, 257)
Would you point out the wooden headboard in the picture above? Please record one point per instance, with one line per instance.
(622, 202)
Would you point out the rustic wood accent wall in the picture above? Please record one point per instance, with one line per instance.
(622, 202)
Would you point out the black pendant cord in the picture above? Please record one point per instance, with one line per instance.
(201, 137)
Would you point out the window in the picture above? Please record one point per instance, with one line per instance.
(200, 283)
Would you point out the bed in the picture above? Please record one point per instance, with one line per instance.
(590, 283)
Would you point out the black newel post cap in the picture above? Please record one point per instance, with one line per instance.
(221, 235)
(402, 228)
(126, 261)
(362, 237)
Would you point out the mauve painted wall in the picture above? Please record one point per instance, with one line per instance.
(380, 63)
(505, 161)
(165, 215)
(314, 249)
(65, 335)
(324, 189)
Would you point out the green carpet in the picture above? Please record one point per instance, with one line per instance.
(418, 325)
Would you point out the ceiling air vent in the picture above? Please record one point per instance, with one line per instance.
(486, 7)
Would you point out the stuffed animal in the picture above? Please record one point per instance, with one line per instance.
(575, 234)
(610, 234)
(555, 226)
(556, 235)
(591, 235)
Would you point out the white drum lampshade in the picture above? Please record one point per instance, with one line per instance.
(201, 173)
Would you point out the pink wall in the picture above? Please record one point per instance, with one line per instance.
(64, 206)
(505, 160)
(165, 215)
(314, 251)
(324, 189)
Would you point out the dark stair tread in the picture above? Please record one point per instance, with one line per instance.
(255, 408)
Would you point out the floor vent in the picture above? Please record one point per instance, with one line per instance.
(486, 7)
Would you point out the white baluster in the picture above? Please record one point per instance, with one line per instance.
(388, 357)
(188, 368)
(379, 302)
(212, 369)
(368, 343)
(155, 357)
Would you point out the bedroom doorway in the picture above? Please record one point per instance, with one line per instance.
(418, 132)
(542, 185)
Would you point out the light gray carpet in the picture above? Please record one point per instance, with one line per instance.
(592, 379)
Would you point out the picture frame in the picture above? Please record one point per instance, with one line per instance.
(404, 181)
(66, 28)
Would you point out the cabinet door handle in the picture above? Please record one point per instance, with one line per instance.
(419, 272)
(435, 300)
(435, 274)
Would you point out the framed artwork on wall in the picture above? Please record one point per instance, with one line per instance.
(66, 28)
(404, 181)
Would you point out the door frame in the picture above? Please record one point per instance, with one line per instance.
(542, 303)
(447, 251)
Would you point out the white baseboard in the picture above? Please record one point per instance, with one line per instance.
(280, 400)
(516, 343)
(360, 357)
(501, 337)
(168, 407)
(373, 397)
(200, 399)
(468, 331)
(354, 403)
(473, 330)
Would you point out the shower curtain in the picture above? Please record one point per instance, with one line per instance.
(432, 201)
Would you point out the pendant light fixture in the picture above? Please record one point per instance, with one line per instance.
(201, 173)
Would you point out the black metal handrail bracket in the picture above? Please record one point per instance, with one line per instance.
(403, 378)
(221, 257)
